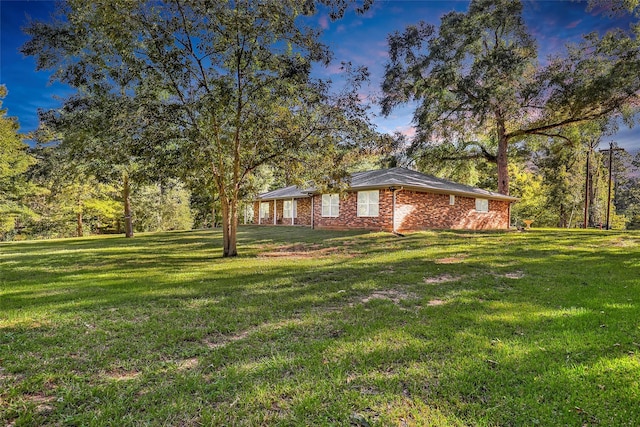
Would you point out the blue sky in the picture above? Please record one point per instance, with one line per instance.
(360, 39)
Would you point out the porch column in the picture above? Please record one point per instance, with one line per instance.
(293, 212)
(275, 212)
(259, 213)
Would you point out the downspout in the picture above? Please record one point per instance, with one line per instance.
(393, 209)
(293, 210)
(312, 213)
(275, 212)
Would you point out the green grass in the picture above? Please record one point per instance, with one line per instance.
(322, 328)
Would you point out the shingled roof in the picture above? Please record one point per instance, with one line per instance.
(397, 178)
(291, 192)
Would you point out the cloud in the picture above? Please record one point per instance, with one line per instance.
(408, 131)
(573, 24)
(323, 21)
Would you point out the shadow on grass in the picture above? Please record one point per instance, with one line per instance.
(439, 328)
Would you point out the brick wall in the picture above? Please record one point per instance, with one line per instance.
(414, 211)
(348, 210)
(419, 211)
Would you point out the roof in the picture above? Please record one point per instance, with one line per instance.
(401, 177)
(397, 178)
(291, 192)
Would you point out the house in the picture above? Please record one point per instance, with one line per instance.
(395, 199)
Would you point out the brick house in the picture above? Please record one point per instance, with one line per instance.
(395, 199)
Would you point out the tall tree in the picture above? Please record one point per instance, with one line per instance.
(480, 88)
(237, 79)
(14, 162)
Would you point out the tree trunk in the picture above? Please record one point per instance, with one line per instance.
(502, 159)
(229, 242)
(79, 230)
(233, 227)
(126, 192)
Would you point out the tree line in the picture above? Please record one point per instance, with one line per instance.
(184, 108)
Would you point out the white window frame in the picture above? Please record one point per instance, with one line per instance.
(264, 210)
(286, 209)
(452, 199)
(330, 205)
(482, 205)
(368, 203)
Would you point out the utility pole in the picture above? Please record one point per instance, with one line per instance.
(610, 150)
(586, 192)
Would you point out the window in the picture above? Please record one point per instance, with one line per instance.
(287, 209)
(368, 203)
(264, 210)
(330, 205)
(452, 199)
(482, 205)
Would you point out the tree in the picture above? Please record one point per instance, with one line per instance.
(106, 135)
(236, 78)
(75, 201)
(480, 89)
(163, 207)
(14, 162)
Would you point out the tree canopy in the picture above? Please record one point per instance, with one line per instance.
(229, 82)
(480, 86)
(14, 162)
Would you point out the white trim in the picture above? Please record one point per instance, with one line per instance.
(482, 205)
(368, 203)
(332, 204)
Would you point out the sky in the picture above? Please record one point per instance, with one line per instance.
(360, 39)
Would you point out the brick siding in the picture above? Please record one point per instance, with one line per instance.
(415, 210)
(420, 211)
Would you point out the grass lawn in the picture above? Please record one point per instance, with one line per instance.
(322, 328)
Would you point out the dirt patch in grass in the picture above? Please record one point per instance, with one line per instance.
(443, 278)
(514, 275)
(43, 402)
(9, 378)
(224, 340)
(436, 302)
(456, 259)
(392, 295)
(218, 340)
(185, 365)
(121, 375)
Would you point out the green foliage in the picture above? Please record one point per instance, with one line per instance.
(15, 160)
(481, 92)
(533, 203)
(213, 88)
(162, 207)
(323, 328)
